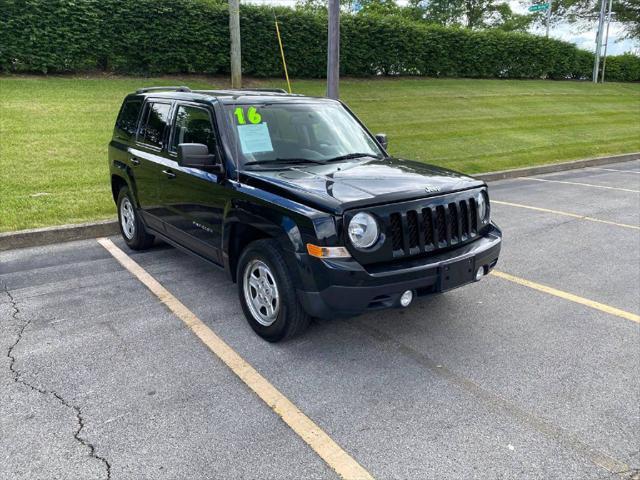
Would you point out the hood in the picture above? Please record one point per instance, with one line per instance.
(344, 185)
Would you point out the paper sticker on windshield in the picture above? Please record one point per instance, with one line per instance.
(254, 138)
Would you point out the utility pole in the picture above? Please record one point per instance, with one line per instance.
(606, 39)
(549, 16)
(596, 62)
(234, 31)
(333, 50)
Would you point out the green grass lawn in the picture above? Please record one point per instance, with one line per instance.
(54, 130)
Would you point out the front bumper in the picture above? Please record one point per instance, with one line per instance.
(346, 288)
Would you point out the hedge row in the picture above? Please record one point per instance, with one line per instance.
(623, 68)
(192, 36)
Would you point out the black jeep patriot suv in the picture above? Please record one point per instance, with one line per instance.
(297, 201)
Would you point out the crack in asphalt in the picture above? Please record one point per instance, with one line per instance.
(17, 378)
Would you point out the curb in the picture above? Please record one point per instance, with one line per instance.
(555, 167)
(61, 233)
(65, 233)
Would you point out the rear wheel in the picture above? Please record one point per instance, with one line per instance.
(131, 226)
(267, 293)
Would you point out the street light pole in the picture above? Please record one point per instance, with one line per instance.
(596, 61)
(333, 50)
(606, 39)
(234, 31)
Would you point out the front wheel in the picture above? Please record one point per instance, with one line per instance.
(267, 293)
(131, 226)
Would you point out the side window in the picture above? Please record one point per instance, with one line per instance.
(155, 121)
(193, 125)
(127, 122)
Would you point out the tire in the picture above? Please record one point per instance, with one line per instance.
(131, 227)
(263, 262)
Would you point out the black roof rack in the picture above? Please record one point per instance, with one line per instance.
(273, 90)
(155, 89)
(231, 91)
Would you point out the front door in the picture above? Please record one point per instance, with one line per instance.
(193, 200)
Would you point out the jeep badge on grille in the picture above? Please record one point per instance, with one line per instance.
(432, 189)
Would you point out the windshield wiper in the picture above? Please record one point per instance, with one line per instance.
(349, 156)
(283, 161)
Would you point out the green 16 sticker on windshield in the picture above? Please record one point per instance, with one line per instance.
(251, 114)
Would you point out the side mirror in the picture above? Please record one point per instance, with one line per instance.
(196, 155)
(382, 139)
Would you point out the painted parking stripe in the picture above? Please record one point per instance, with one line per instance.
(498, 402)
(566, 214)
(580, 184)
(312, 434)
(614, 170)
(568, 296)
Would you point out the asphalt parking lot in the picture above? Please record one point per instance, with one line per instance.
(501, 379)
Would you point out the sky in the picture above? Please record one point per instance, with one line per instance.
(583, 38)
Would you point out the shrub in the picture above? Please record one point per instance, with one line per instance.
(623, 68)
(192, 36)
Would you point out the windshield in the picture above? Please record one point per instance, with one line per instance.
(272, 133)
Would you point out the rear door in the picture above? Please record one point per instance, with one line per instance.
(124, 133)
(148, 158)
(193, 200)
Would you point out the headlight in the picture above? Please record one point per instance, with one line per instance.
(363, 230)
(483, 207)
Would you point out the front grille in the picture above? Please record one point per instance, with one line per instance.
(396, 229)
(412, 225)
(431, 228)
(441, 224)
(427, 225)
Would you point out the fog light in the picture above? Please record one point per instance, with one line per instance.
(479, 274)
(406, 298)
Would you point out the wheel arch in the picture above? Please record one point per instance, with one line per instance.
(243, 228)
(239, 236)
(117, 182)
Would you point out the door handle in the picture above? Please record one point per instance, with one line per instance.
(169, 173)
(134, 161)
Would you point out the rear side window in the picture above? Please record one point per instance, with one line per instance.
(155, 121)
(127, 122)
(193, 125)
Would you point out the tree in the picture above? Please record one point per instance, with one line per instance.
(627, 13)
(509, 21)
(377, 7)
(473, 14)
(584, 13)
(321, 5)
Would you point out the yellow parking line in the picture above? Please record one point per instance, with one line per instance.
(579, 183)
(312, 434)
(568, 296)
(566, 214)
